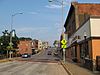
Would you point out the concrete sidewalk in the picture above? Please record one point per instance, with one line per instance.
(74, 69)
(7, 59)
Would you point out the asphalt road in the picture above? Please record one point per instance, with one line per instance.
(39, 64)
(43, 56)
(31, 68)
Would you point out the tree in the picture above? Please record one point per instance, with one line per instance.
(25, 38)
(5, 40)
(15, 41)
(56, 42)
(5, 45)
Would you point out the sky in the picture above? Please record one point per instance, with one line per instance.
(40, 19)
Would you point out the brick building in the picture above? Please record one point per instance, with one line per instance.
(83, 30)
(37, 45)
(25, 46)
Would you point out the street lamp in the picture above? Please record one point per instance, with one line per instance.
(63, 34)
(12, 17)
(62, 4)
(85, 35)
(6, 34)
(1, 50)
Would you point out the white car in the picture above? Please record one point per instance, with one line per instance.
(25, 55)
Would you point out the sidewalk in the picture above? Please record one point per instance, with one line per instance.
(7, 59)
(74, 69)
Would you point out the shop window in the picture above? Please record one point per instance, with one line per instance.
(74, 51)
(84, 50)
(87, 50)
(81, 51)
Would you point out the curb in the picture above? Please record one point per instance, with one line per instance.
(65, 67)
(6, 60)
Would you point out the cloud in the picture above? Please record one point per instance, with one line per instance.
(41, 33)
(33, 13)
(31, 29)
(59, 5)
(53, 6)
(73, 0)
(36, 32)
(24, 29)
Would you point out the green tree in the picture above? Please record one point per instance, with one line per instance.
(56, 42)
(15, 41)
(25, 38)
(5, 40)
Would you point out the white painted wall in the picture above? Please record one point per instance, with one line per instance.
(39, 44)
(95, 27)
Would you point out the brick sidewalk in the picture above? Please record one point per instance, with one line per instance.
(74, 69)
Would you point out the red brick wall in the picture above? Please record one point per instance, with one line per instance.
(68, 55)
(92, 9)
(25, 47)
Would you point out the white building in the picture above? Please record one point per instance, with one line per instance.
(40, 47)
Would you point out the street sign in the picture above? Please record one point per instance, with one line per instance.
(63, 41)
(63, 46)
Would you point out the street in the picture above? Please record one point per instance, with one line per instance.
(31, 68)
(42, 56)
(50, 37)
(39, 64)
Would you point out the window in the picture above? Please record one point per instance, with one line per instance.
(84, 50)
(81, 51)
(87, 49)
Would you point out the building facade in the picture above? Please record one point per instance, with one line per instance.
(37, 45)
(25, 46)
(40, 46)
(45, 45)
(82, 28)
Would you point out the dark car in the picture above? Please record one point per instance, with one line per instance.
(49, 53)
(26, 55)
(55, 53)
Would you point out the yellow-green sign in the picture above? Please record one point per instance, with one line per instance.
(63, 41)
(63, 46)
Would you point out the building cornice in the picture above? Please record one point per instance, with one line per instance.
(94, 16)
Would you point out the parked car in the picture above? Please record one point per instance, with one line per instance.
(26, 55)
(49, 53)
(55, 53)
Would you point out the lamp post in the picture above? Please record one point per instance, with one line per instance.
(63, 34)
(85, 35)
(6, 34)
(12, 17)
(1, 49)
(62, 4)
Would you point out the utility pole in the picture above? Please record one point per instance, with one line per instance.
(63, 34)
(12, 16)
